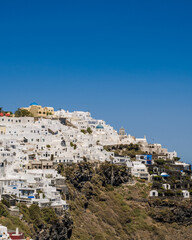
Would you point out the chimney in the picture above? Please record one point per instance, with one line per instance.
(17, 231)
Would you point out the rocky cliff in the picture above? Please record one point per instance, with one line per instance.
(107, 204)
(39, 224)
(61, 229)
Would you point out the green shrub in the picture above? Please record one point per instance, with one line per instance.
(49, 215)
(160, 161)
(5, 202)
(36, 215)
(89, 130)
(3, 210)
(23, 113)
(83, 131)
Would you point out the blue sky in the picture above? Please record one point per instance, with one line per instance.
(128, 62)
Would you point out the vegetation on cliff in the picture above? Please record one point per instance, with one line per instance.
(130, 150)
(23, 113)
(120, 211)
(40, 224)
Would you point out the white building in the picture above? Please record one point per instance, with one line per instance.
(140, 170)
(29, 147)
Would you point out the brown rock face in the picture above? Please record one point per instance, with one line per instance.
(179, 212)
(59, 230)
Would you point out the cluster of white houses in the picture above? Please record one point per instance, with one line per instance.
(31, 146)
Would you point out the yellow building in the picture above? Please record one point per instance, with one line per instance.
(39, 111)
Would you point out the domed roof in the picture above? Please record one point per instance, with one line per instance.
(34, 103)
(99, 127)
(164, 174)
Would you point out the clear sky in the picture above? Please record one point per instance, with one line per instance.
(128, 62)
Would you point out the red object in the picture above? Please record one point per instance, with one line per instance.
(1, 114)
(19, 236)
(7, 114)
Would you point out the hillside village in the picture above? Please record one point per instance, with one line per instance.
(36, 140)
